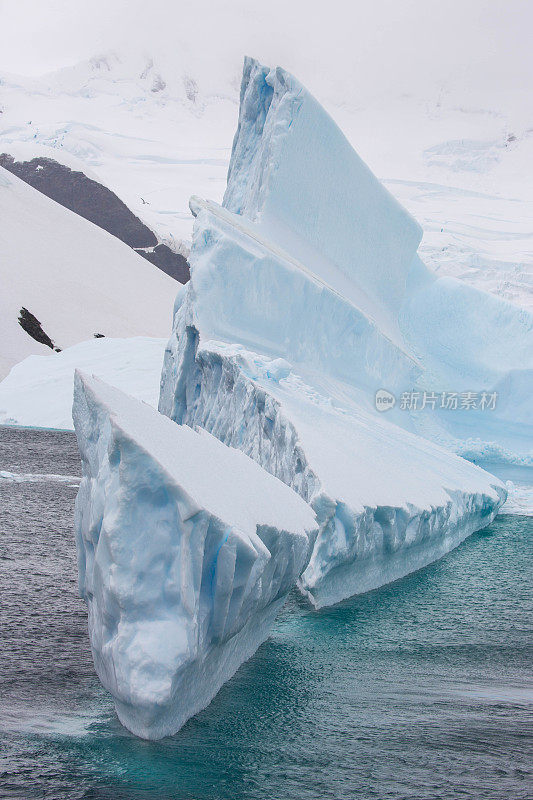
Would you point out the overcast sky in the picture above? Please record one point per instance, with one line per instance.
(414, 44)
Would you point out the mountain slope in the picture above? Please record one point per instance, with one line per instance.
(73, 278)
(96, 203)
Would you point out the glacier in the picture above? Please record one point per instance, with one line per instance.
(186, 552)
(307, 296)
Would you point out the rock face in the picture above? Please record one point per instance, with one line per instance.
(174, 264)
(186, 551)
(84, 196)
(98, 204)
(29, 323)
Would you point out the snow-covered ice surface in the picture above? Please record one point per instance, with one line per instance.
(388, 502)
(519, 500)
(296, 314)
(75, 278)
(186, 551)
(38, 391)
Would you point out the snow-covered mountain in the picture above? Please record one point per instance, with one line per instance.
(156, 131)
(68, 280)
(148, 136)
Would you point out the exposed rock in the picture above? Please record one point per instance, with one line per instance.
(174, 264)
(29, 323)
(85, 197)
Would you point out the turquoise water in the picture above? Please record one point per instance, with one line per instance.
(418, 690)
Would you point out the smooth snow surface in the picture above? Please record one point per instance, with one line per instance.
(38, 391)
(186, 551)
(75, 278)
(303, 292)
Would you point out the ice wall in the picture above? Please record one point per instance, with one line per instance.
(248, 361)
(186, 551)
(306, 296)
(249, 290)
(295, 174)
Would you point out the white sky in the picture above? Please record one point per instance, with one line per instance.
(410, 45)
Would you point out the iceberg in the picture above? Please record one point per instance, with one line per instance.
(270, 462)
(186, 552)
(388, 502)
(38, 391)
(294, 175)
(302, 305)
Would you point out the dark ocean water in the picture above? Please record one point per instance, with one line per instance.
(420, 690)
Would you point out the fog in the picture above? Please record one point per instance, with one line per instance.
(345, 50)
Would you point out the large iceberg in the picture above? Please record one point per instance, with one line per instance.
(388, 502)
(186, 552)
(303, 304)
(297, 179)
(307, 303)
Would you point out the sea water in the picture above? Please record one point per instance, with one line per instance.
(418, 690)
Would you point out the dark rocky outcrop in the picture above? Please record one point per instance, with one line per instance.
(174, 264)
(85, 197)
(98, 204)
(29, 323)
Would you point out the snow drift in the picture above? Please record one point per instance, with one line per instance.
(186, 551)
(37, 393)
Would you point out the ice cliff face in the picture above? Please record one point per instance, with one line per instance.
(186, 551)
(388, 502)
(297, 179)
(297, 311)
(295, 175)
